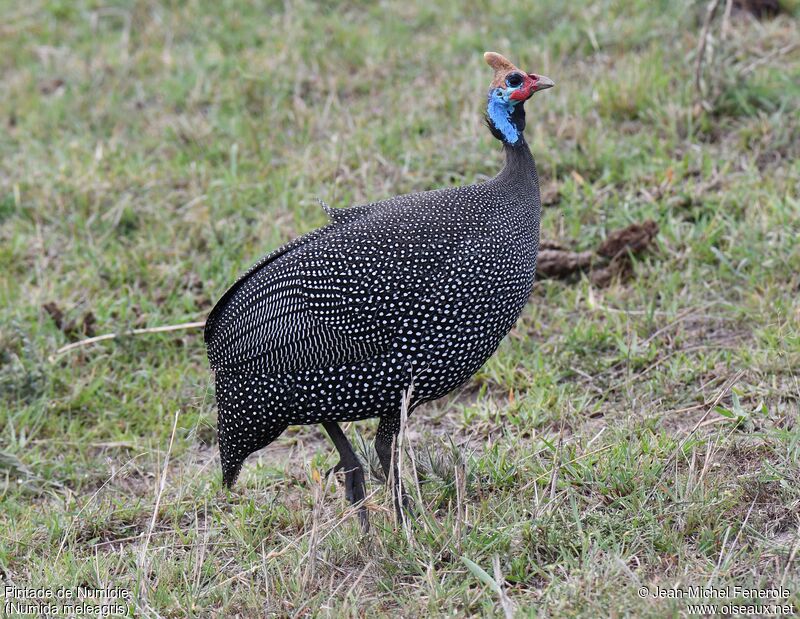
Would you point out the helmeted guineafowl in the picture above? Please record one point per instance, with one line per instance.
(421, 288)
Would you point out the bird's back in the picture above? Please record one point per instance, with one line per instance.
(344, 292)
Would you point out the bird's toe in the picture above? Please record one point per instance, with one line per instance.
(354, 487)
(355, 492)
(334, 469)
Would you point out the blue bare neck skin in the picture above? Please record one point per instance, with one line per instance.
(499, 112)
(503, 111)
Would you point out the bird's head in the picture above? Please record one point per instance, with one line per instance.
(509, 90)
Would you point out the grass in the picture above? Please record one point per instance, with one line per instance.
(643, 434)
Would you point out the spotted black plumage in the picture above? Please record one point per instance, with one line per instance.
(335, 325)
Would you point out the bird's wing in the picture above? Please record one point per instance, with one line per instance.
(332, 299)
(212, 322)
(337, 216)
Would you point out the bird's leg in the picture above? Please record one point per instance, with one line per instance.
(354, 486)
(386, 447)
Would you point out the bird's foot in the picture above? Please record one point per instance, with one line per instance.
(335, 469)
(355, 490)
(404, 507)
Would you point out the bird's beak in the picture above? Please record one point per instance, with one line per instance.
(542, 82)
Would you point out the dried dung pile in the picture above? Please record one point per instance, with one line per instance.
(611, 259)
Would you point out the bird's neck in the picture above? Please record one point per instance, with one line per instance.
(520, 168)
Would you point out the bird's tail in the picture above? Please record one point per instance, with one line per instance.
(247, 418)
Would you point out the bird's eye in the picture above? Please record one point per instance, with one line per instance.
(514, 80)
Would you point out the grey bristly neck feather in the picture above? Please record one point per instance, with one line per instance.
(520, 167)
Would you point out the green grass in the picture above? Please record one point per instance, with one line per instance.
(647, 433)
